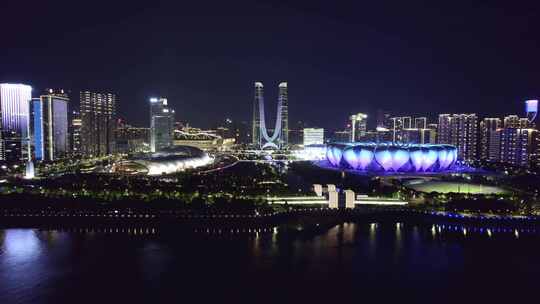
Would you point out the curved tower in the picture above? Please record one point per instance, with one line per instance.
(260, 136)
(284, 101)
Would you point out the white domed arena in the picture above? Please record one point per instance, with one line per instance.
(168, 161)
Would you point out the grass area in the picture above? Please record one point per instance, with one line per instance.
(447, 187)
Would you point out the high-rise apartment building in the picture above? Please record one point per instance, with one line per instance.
(98, 112)
(358, 126)
(15, 121)
(284, 100)
(50, 136)
(75, 133)
(161, 124)
(459, 130)
(518, 146)
(444, 128)
(489, 143)
(396, 128)
(514, 121)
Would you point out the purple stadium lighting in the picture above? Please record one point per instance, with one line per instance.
(392, 157)
(365, 158)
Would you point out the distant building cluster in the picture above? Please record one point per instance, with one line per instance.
(513, 139)
(50, 126)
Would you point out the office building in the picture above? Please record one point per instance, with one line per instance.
(313, 136)
(98, 112)
(15, 114)
(161, 124)
(50, 137)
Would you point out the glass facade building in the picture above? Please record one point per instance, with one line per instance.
(161, 124)
(15, 114)
(261, 139)
(50, 127)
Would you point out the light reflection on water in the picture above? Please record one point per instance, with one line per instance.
(35, 264)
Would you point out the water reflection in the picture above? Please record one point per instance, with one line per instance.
(21, 245)
(47, 263)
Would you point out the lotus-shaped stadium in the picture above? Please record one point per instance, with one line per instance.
(388, 157)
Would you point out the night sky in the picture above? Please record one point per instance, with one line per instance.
(408, 57)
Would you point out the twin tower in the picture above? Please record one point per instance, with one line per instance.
(280, 134)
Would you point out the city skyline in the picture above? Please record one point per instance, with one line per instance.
(339, 124)
(267, 150)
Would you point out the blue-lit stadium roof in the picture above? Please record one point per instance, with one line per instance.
(390, 157)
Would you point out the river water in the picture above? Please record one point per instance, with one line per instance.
(384, 262)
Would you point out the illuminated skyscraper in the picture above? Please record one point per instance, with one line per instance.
(75, 132)
(459, 130)
(489, 143)
(15, 108)
(98, 112)
(358, 126)
(518, 146)
(396, 128)
(284, 101)
(256, 120)
(50, 126)
(280, 136)
(161, 124)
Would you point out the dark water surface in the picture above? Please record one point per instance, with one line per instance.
(386, 262)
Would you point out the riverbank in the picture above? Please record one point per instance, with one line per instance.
(295, 220)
